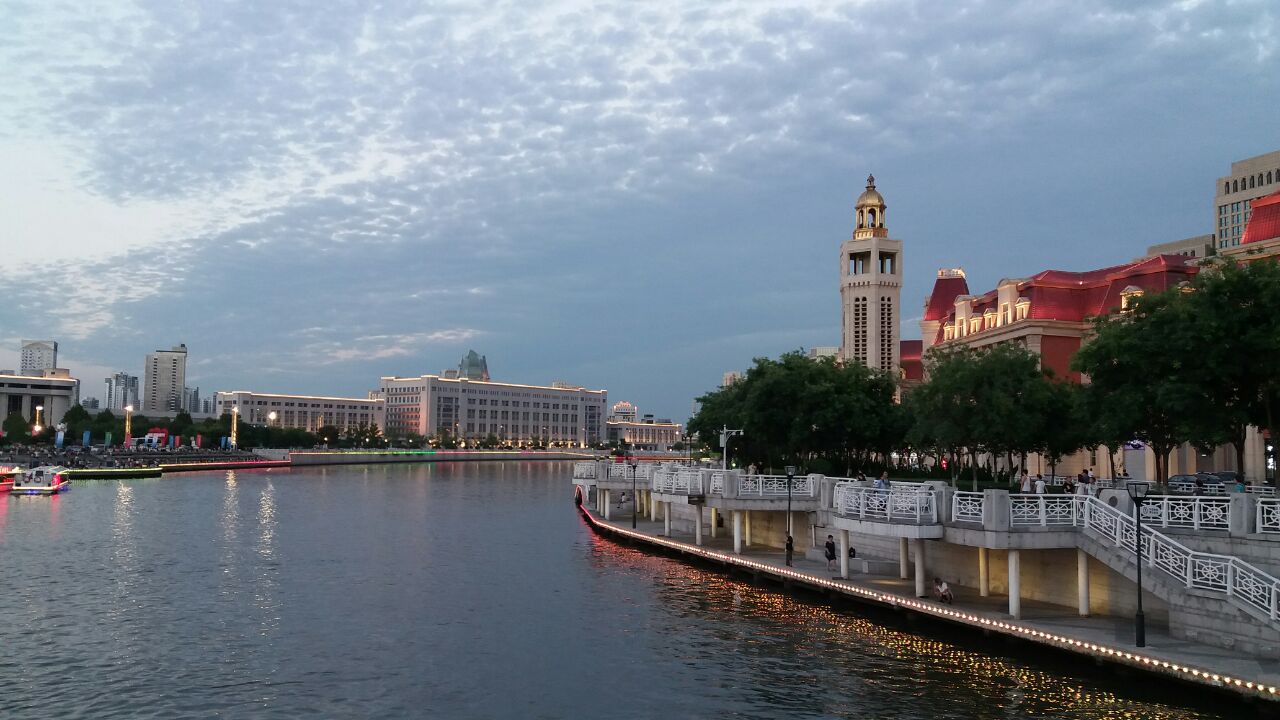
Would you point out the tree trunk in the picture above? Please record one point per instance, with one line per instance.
(1111, 459)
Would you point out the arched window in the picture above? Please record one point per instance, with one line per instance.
(1250, 181)
(860, 219)
(871, 218)
(1235, 186)
(1268, 177)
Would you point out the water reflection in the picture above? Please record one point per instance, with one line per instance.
(788, 653)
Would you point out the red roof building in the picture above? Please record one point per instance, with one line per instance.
(1049, 313)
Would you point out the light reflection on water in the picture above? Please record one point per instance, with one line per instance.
(461, 590)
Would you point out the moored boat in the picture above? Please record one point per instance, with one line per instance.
(43, 480)
(7, 476)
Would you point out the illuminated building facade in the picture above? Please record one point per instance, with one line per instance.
(303, 412)
(641, 433)
(1237, 194)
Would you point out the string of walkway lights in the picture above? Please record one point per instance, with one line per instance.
(1138, 660)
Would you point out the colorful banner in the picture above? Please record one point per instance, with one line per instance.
(87, 440)
(197, 441)
(107, 441)
(128, 439)
(57, 439)
(173, 441)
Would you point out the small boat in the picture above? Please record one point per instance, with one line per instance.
(44, 480)
(7, 476)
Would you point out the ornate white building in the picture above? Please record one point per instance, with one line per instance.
(871, 287)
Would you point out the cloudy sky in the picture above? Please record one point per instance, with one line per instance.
(630, 195)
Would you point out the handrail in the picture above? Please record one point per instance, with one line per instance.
(1200, 513)
(776, 486)
(1268, 510)
(967, 506)
(585, 470)
(1242, 583)
(684, 481)
(916, 506)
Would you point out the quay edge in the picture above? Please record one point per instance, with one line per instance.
(1237, 688)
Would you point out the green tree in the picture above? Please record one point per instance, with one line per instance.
(1138, 362)
(16, 428)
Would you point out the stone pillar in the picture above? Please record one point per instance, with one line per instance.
(1242, 514)
(746, 527)
(1255, 455)
(1015, 585)
(27, 412)
(737, 532)
(608, 502)
(984, 572)
(922, 589)
(1082, 581)
(715, 517)
(697, 524)
(653, 508)
(666, 519)
(903, 559)
(844, 554)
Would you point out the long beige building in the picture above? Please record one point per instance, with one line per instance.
(435, 406)
(304, 412)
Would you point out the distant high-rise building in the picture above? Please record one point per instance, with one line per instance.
(1249, 180)
(730, 378)
(38, 355)
(122, 390)
(90, 403)
(818, 353)
(871, 287)
(190, 399)
(206, 406)
(474, 367)
(165, 379)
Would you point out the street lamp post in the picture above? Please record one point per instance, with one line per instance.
(35, 429)
(271, 418)
(791, 473)
(1138, 493)
(128, 425)
(235, 415)
(725, 434)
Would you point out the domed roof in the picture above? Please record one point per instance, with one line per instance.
(870, 196)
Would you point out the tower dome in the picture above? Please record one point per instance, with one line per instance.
(870, 209)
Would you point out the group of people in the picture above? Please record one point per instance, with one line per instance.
(1081, 484)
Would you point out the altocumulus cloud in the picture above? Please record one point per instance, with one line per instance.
(547, 178)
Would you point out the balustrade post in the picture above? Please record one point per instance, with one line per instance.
(1231, 578)
(1196, 507)
(1190, 569)
(1275, 603)
(1243, 515)
(995, 510)
(1044, 516)
(1164, 512)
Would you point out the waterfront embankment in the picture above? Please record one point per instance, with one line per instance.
(1105, 640)
(375, 457)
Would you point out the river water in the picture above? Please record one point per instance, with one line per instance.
(452, 590)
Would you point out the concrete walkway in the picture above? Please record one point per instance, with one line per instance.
(1110, 639)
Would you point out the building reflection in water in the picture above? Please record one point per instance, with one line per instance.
(806, 656)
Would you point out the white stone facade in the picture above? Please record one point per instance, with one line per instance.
(38, 356)
(431, 405)
(165, 378)
(303, 412)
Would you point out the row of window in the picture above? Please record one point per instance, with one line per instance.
(1250, 182)
(989, 319)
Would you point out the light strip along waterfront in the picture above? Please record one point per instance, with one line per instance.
(1200, 665)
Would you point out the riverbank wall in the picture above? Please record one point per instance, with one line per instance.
(1192, 667)
(299, 458)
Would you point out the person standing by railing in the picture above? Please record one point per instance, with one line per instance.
(1040, 486)
(1025, 484)
(831, 553)
(791, 548)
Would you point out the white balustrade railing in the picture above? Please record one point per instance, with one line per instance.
(619, 471)
(776, 486)
(1043, 510)
(717, 482)
(917, 506)
(1242, 583)
(967, 506)
(1190, 488)
(585, 470)
(1268, 510)
(684, 481)
(1261, 490)
(1200, 513)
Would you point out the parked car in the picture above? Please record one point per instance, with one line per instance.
(1228, 476)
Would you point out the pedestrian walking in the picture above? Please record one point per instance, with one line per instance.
(1040, 486)
(1025, 484)
(791, 548)
(831, 553)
